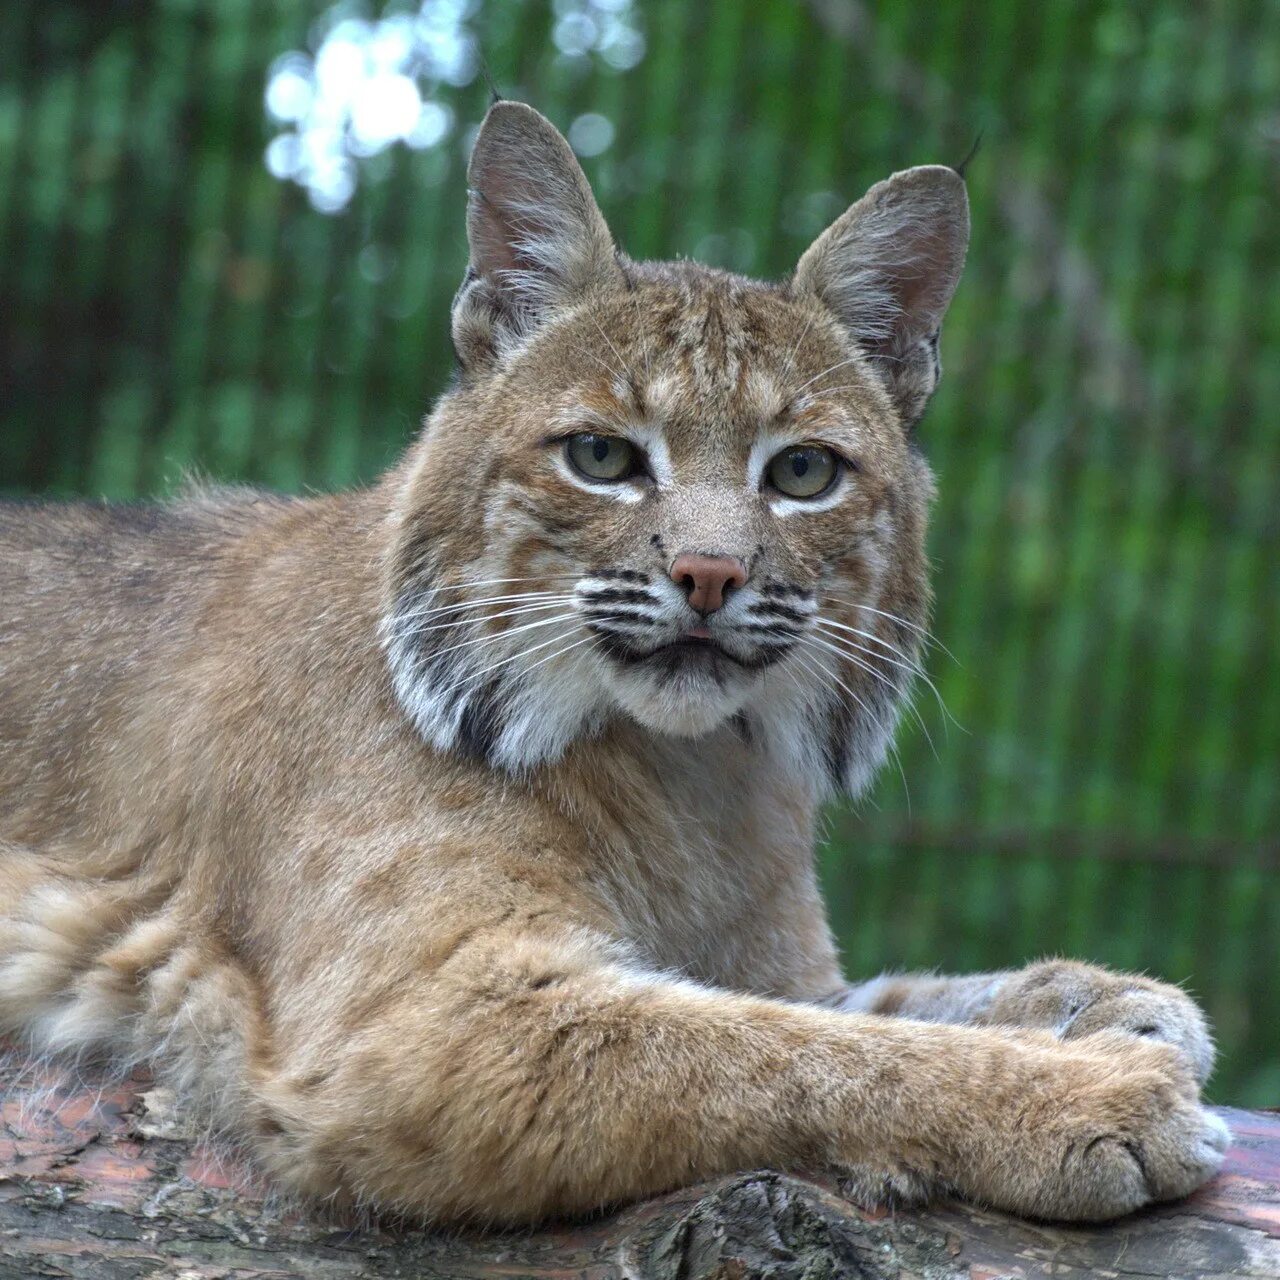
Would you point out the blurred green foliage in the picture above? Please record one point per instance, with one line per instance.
(1106, 436)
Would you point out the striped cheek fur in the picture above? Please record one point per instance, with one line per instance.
(494, 671)
(618, 606)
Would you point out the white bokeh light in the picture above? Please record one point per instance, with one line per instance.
(591, 134)
(385, 111)
(373, 83)
(435, 122)
(606, 28)
(289, 91)
(284, 155)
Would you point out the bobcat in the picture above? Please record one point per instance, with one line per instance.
(448, 842)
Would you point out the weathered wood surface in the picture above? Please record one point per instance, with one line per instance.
(101, 1183)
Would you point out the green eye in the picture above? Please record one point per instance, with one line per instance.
(605, 458)
(804, 471)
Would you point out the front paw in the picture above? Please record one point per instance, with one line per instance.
(1075, 1000)
(1107, 1130)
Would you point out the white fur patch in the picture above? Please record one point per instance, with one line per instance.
(516, 696)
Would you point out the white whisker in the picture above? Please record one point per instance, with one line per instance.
(819, 673)
(604, 364)
(469, 584)
(626, 375)
(804, 333)
(830, 391)
(462, 606)
(498, 635)
(839, 364)
(928, 635)
(901, 660)
(488, 617)
(879, 675)
(524, 653)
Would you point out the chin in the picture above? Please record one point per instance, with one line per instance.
(684, 702)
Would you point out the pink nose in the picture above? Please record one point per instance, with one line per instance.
(707, 579)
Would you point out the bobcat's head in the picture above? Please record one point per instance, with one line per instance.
(667, 492)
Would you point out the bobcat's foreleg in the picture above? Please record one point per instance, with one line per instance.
(539, 1075)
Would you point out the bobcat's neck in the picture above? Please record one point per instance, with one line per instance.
(689, 836)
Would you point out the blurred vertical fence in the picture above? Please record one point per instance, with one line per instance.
(228, 246)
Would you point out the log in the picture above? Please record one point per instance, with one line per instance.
(101, 1181)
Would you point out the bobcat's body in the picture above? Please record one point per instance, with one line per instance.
(699, 853)
(447, 886)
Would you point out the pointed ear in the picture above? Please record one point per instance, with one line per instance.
(538, 240)
(888, 267)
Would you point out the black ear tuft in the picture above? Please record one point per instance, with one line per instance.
(968, 160)
(495, 94)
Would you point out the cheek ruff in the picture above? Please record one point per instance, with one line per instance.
(625, 642)
(514, 697)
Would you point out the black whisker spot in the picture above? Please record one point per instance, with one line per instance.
(780, 590)
(769, 629)
(622, 575)
(776, 609)
(618, 595)
(767, 655)
(614, 645)
(618, 617)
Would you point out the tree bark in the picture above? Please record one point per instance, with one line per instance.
(102, 1182)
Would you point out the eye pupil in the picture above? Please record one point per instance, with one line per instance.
(602, 458)
(803, 471)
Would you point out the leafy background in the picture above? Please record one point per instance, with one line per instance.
(226, 247)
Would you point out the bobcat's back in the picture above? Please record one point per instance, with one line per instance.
(91, 596)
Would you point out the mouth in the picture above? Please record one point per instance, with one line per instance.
(698, 646)
(697, 650)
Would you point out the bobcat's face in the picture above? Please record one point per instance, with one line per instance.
(663, 492)
(697, 488)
